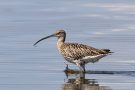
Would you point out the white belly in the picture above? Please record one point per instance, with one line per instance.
(92, 59)
(87, 59)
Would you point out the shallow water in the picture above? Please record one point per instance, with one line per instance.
(102, 24)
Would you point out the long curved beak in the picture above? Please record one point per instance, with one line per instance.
(43, 39)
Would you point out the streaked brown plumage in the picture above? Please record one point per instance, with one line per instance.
(78, 54)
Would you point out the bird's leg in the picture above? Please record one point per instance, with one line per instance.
(83, 67)
(82, 64)
(66, 65)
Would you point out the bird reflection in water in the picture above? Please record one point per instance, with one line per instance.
(80, 82)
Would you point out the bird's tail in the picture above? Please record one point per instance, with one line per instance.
(107, 50)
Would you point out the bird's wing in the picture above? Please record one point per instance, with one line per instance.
(78, 51)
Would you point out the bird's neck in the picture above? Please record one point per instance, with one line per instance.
(60, 41)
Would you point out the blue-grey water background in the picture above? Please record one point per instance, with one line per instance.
(100, 23)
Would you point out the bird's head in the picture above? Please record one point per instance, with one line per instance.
(59, 34)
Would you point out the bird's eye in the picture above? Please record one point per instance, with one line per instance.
(59, 33)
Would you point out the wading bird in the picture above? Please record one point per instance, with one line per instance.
(75, 53)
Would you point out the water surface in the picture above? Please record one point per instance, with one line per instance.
(102, 24)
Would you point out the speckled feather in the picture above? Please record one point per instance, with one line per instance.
(75, 51)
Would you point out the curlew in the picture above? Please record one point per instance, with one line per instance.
(76, 53)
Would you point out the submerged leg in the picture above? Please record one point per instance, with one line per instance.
(82, 68)
(81, 65)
